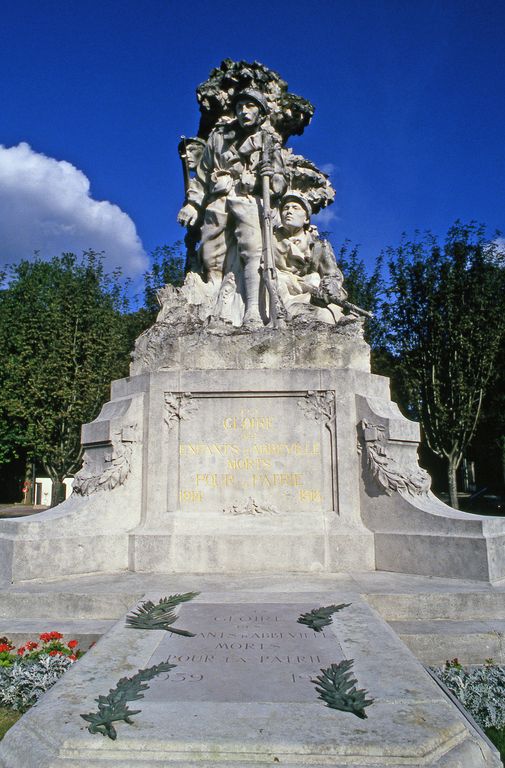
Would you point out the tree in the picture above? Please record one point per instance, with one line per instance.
(446, 321)
(364, 289)
(167, 267)
(63, 337)
(490, 438)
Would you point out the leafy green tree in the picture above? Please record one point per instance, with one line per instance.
(167, 266)
(63, 337)
(446, 321)
(365, 289)
(490, 438)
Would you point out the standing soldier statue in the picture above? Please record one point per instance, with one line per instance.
(236, 174)
(227, 190)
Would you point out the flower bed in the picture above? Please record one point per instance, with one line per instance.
(50, 644)
(481, 690)
(28, 671)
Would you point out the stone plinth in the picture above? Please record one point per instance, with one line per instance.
(303, 346)
(209, 464)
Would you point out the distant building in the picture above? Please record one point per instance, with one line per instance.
(44, 487)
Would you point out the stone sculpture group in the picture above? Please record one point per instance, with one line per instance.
(249, 202)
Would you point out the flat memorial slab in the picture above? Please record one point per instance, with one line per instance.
(243, 653)
(241, 694)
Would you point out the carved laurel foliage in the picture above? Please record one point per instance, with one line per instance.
(290, 113)
(337, 688)
(160, 615)
(114, 708)
(253, 508)
(319, 405)
(392, 477)
(389, 474)
(319, 618)
(117, 465)
(178, 407)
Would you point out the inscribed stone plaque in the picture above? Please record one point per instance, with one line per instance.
(261, 448)
(243, 652)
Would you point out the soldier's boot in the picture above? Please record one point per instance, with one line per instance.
(252, 278)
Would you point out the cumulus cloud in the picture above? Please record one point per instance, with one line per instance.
(46, 206)
(325, 217)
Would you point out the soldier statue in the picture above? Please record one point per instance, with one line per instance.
(248, 205)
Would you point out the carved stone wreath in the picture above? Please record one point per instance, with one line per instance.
(115, 470)
(387, 472)
(178, 407)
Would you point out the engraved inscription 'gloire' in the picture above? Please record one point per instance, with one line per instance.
(252, 457)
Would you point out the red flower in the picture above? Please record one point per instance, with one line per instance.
(5, 647)
(54, 653)
(20, 650)
(72, 657)
(30, 646)
(73, 643)
(55, 635)
(45, 637)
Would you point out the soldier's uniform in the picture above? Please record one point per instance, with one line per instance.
(302, 261)
(227, 186)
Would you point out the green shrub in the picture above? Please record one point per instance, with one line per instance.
(24, 682)
(481, 690)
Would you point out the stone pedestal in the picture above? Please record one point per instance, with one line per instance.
(271, 451)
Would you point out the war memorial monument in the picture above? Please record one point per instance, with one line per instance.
(253, 458)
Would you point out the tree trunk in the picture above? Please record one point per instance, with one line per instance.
(58, 491)
(502, 446)
(452, 466)
(28, 490)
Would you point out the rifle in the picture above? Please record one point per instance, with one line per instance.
(183, 154)
(326, 293)
(352, 308)
(268, 261)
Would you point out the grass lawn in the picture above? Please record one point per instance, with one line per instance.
(497, 736)
(7, 718)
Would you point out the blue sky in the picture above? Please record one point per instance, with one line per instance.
(409, 96)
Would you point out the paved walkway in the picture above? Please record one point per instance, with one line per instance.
(19, 510)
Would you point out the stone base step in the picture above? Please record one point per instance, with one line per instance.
(471, 642)
(86, 632)
(290, 550)
(467, 605)
(57, 605)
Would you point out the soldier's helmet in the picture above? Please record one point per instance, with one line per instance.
(297, 197)
(251, 94)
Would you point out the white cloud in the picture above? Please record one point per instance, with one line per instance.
(45, 206)
(325, 217)
(328, 168)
